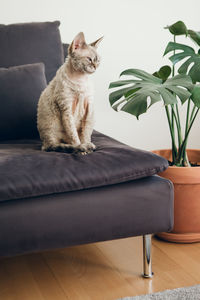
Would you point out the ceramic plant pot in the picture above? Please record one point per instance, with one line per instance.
(186, 182)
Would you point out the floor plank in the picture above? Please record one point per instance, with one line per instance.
(45, 279)
(86, 272)
(18, 280)
(101, 271)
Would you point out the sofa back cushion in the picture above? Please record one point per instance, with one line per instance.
(65, 50)
(28, 43)
(20, 89)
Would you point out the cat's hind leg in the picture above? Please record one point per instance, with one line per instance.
(55, 143)
(53, 138)
(57, 147)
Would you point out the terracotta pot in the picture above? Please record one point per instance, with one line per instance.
(186, 182)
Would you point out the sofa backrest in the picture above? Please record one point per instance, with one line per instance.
(20, 45)
(65, 49)
(27, 43)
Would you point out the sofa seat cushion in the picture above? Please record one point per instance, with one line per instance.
(27, 43)
(26, 171)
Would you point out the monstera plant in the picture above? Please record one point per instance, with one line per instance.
(141, 90)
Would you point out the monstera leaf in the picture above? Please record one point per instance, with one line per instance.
(193, 59)
(196, 95)
(178, 28)
(163, 73)
(134, 97)
(195, 36)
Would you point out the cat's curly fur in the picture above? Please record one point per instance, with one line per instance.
(65, 115)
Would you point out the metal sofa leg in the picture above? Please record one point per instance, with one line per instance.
(147, 263)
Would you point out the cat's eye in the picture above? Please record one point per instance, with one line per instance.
(89, 59)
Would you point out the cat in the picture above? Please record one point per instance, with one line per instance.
(65, 115)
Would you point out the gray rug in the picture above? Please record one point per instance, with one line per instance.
(188, 293)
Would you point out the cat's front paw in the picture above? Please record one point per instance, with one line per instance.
(86, 148)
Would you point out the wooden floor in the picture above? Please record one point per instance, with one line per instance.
(101, 271)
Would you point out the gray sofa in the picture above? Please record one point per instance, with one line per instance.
(52, 200)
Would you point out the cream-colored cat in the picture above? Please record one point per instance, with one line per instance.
(65, 110)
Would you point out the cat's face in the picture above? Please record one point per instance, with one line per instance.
(84, 57)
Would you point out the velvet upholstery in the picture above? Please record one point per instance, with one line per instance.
(65, 50)
(116, 211)
(20, 89)
(27, 43)
(53, 200)
(27, 171)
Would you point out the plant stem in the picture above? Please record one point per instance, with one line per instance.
(187, 116)
(174, 148)
(173, 66)
(191, 123)
(183, 146)
(172, 106)
(178, 125)
(188, 121)
(172, 119)
(175, 116)
(185, 158)
(179, 122)
(192, 113)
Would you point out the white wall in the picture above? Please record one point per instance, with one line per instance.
(134, 37)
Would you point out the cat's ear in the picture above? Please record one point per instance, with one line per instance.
(96, 43)
(78, 42)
